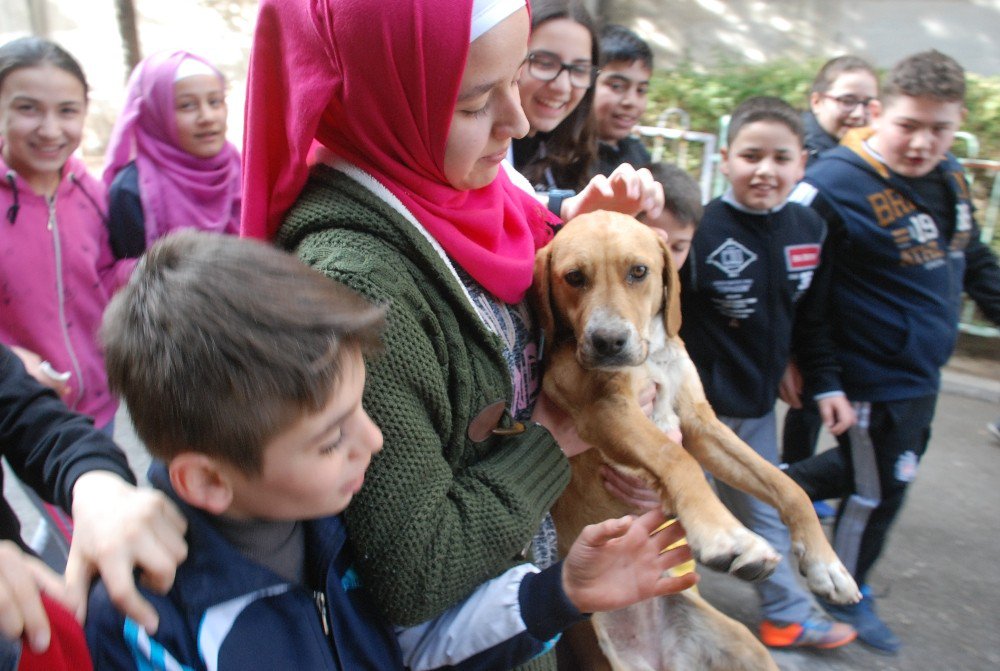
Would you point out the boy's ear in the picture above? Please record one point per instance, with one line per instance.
(200, 482)
(724, 160)
(814, 99)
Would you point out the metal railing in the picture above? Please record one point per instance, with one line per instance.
(713, 183)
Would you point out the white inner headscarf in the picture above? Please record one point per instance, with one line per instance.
(488, 13)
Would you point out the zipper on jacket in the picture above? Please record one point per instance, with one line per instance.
(61, 301)
(320, 600)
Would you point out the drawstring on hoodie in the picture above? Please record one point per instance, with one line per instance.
(13, 210)
(83, 190)
(16, 206)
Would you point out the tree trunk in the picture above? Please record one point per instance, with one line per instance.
(130, 34)
(38, 16)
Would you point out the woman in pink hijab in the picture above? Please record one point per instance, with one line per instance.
(168, 163)
(414, 104)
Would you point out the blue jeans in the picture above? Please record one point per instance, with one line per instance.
(783, 598)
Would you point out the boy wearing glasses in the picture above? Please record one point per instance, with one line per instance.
(840, 99)
(620, 98)
(903, 244)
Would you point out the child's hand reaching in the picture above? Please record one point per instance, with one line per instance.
(625, 190)
(42, 371)
(22, 580)
(620, 562)
(118, 529)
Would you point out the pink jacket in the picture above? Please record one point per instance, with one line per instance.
(57, 273)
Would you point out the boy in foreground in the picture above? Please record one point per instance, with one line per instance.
(903, 245)
(753, 290)
(243, 372)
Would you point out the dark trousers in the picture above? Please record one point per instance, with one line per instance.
(800, 433)
(874, 463)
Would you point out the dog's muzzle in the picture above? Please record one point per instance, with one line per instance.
(610, 342)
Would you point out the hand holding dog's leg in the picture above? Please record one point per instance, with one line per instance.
(560, 425)
(621, 562)
(630, 490)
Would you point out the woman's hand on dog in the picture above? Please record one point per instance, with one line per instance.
(620, 562)
(560, 425)
(631, 490)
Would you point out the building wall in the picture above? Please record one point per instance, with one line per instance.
(882, 31)
(703, 31)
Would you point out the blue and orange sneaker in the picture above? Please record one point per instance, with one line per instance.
(816, 632)
(872, 631)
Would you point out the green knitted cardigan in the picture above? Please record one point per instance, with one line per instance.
(439, 514)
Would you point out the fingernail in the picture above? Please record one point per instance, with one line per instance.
(40, 642)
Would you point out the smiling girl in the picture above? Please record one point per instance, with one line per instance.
(557, 94)
(57, 270)
(169, 165)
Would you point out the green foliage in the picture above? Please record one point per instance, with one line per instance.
(706, 95)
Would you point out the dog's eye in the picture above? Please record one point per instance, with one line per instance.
(575, 278)
(637, 273)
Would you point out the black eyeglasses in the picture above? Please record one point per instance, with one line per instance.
(847, 103)
(545, 66)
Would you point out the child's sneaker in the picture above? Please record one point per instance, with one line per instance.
(816, 632)
(871, 630)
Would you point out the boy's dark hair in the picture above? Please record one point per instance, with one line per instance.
(835, 67)
(217, 344)
(928, 74)
(681, 194)
(28, 52)
(764, 108)
(571, 147)
(619, 44)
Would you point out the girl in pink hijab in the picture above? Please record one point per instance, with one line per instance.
(168, 163)
(414, 104)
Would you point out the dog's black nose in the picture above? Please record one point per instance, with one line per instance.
(608, 342)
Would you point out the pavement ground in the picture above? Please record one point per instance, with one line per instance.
(938, 580)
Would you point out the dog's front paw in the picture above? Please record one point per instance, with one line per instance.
(738, 551)
(830, 580)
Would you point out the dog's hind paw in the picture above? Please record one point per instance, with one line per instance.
(739, 551)
(831, 581)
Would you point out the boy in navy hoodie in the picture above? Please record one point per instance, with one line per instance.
(753, 290)
(903, 245)
(242, 369)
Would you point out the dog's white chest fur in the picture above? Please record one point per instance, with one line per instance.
(667, 363)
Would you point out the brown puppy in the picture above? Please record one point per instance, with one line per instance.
(607, 298)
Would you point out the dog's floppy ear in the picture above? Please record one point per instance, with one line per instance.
(541, 297)
(671, 293)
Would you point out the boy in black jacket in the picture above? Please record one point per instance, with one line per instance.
(753, 290)
(903, 245)
(620, 98)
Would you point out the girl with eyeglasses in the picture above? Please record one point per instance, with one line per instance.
(840, 99)
(559, 153)
(557, 95)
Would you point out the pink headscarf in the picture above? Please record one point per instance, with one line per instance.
(375, 81)
(177, 190)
